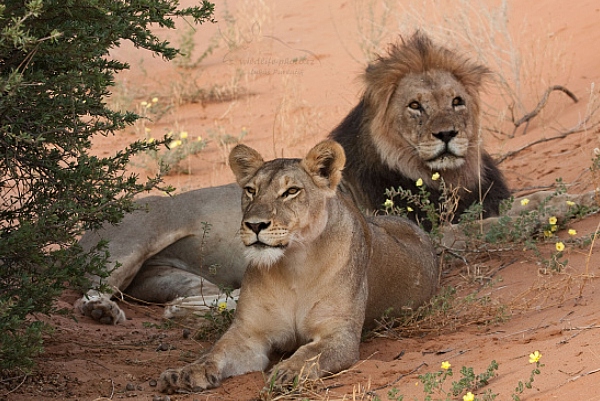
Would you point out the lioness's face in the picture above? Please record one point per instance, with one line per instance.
(281, 208)
(434, 120)
(284, 203)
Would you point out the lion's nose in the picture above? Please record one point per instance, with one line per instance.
(446, 136)
(257, 227)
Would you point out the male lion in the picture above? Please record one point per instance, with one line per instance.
(419, 115)
(317, 270)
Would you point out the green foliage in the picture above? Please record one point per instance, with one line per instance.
(435, 383)
(56, 73)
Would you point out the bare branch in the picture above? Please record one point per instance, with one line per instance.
(527, 117)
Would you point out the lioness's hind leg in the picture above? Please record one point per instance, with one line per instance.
(160, 283)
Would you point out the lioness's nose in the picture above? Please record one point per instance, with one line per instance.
(257, 227)
(446, 136)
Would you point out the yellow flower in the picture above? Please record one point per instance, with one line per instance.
(409, 209)
(468, 397)
(154, 99)
(144, 103)
(572, 232)
(547, 233)
(199, 139)
(446, 365)
(150, 140)
(147, 129)
(174, 144)
(388, 204)
(524, 202)
(570, 203)
(435, 176)
(222, 306)
(552, 220)
(553, 228)
(535, 357)
(419, 182)
(183, 134)
(560, 246)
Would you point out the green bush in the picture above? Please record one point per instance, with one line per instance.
(55, 73)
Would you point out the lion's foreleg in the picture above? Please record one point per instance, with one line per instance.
(320, 357)
(236, 353)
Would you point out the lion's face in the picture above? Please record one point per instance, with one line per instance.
(433, 124)
(284, 201)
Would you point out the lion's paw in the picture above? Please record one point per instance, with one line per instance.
(101, 309)
(191, 378)
(287, 374)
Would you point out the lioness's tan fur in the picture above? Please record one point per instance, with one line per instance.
(317, 271)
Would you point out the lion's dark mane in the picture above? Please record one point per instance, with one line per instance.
(367, 176)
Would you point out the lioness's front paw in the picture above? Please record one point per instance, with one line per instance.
(191, 378)
(287, 374)
(101, 309)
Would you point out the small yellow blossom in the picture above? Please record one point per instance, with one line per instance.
(419, 183)
(409, 209)
(468, 397)
(547, 233)
(150, 140)
(222, 306)
(524, 202)
(446, 365)
(154, 100)
(552, 220)
(388, 204)
(174, 144)
(570, 203)
(554, 228)
(535, 357)
(560, 246)
(572, 232)
(183, 134)
(435, 176)
(199, 139)
(144, 103)
(147, 129)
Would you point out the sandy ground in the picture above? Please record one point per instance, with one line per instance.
(285, 78)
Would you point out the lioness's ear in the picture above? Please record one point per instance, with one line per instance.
(325, 163)
(244, 161)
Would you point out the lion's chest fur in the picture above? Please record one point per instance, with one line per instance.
(311, 290)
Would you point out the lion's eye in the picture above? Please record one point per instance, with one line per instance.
(415, 105)
(458, 101)
(250, 191)
(290, 191)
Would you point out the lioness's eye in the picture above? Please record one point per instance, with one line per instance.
(458, 101)
(291, 191)
(415, 105)
(250, 191)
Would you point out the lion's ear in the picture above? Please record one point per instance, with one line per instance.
(244, 161)
(325, 163)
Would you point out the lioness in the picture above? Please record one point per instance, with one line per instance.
(317, 269)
